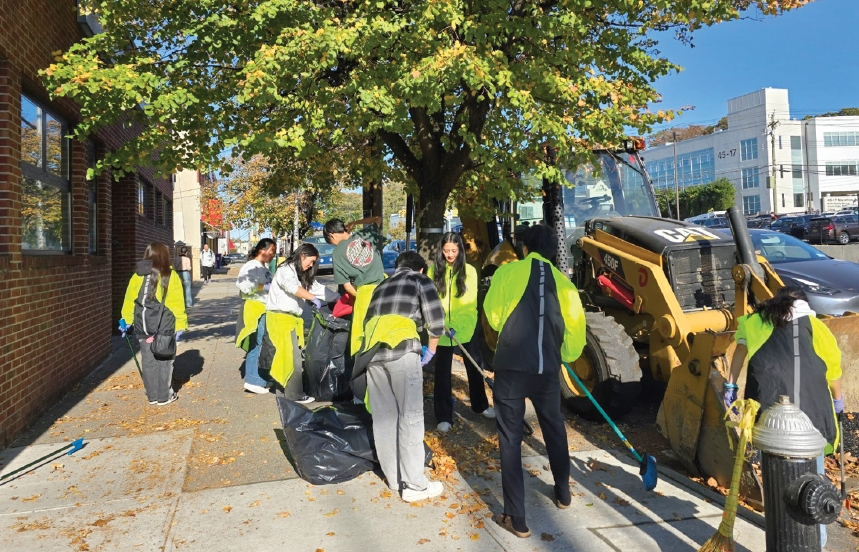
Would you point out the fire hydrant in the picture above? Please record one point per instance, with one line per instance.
(797, 499)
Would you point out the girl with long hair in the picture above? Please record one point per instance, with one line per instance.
(790, 352)
(155, 302)
(294, 286)
(253, 282)
(456, 283)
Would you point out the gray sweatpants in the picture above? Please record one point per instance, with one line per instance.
(397, 402)
(157, 374)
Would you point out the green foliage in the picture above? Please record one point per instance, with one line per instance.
(697, 200)
(843, 112)
(453, 95)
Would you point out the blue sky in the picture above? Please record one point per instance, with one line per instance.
(811, 51)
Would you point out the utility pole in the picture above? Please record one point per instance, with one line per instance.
(772, 126)
(809, 207)
(676, 181)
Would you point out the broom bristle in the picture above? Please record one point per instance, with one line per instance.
(718, 543)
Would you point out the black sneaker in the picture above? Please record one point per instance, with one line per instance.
(306, 399)
(173, 396)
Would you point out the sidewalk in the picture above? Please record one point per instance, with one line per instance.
(209, 472)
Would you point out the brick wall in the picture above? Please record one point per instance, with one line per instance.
(56, 313)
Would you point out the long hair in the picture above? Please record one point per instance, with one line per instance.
(776, 311)
(158, 253)
(440, 266)
(264, 243)
(306, 277)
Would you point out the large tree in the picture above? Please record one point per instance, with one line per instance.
(459, 95)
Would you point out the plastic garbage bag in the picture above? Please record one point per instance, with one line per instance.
(331, 444)
(327, 362)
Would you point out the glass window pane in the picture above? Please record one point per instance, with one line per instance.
(56, 146)
(31, 133)
(45, 217)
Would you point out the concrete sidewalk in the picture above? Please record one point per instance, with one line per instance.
(209, 472)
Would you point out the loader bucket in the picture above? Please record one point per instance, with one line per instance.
(846, 331)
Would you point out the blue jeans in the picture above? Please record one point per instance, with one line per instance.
(186, 285)
(252, 360)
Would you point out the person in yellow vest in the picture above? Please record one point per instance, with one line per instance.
(357, 264)
(456, 283)
(391, 353)
(254, 281)
(539, 317)
(790, 352)
(294, 285)
(155, 302)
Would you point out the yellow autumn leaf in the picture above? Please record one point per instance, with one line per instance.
(333, 513)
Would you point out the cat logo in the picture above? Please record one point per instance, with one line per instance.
(681, 235)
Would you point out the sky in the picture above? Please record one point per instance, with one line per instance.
(811, 51)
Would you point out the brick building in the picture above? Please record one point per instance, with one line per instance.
(68, 245)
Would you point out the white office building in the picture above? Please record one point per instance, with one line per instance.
(776, 163)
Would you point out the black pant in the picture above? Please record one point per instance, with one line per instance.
(511, 390)
(207, 273)
(442, 388)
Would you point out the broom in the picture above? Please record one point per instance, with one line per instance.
(723, 539)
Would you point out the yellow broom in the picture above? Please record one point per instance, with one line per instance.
(723, 539)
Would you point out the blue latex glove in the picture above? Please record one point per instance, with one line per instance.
(451, 332)
(179, 335)
(839, 404)
(124, 328)
(317, 302)
(427, 358)
(730, 394)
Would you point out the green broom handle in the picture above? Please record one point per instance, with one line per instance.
(604, 415)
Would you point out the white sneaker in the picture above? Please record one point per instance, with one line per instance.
(434, 489)
(444, 427)
(258, 389)
(173, 396)
(306, 399)
(489, 413)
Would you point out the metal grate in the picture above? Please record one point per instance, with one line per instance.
(701, 277)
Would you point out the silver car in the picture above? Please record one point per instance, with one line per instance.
(832, 285)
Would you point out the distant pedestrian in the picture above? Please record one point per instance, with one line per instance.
(357, 265)
(400, 307)
(254, 281)
(539, 317)
(183, 268)
(207, 262)
(294, 285)
(154, 303)
(456, 284)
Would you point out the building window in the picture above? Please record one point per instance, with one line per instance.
(693, 168)
(749, 149)
(798, 200)
(92, 197)
(841, 168)
(150, 202)
(159, 207)
(141, 198)
(751, 204)
(840, 139)
(46, 198)
(796, 143)
(750, 178)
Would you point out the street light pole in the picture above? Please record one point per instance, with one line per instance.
(676, 181)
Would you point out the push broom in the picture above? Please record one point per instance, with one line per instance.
(647, 463)
(723, 539)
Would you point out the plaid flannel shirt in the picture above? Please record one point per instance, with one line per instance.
(412, 295)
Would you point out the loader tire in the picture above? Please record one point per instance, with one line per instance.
(608, 367)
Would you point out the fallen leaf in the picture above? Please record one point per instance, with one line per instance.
(101, 522)
(621, 502)
(31, 498)
(341, 492)
(283, 514)
(589, 505)
(423, 541)
(474, 536)
(228, 509)
(330, 534)
(547, 537)
(255, 503)
(56, 466)
(602, 496)
(449, 515)
(332, 513)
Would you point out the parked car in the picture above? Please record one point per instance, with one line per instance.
(389, 261)
(315, 240)
(325, 251)
(820, 230)
(841, 229)
(233, 258)
(759, 221)
(714, 222)
(799, 226)
(847, 212)
(782, 224)
(832, 285)
(398, 246)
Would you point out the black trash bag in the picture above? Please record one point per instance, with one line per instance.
(327, 362)
(331, 444)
